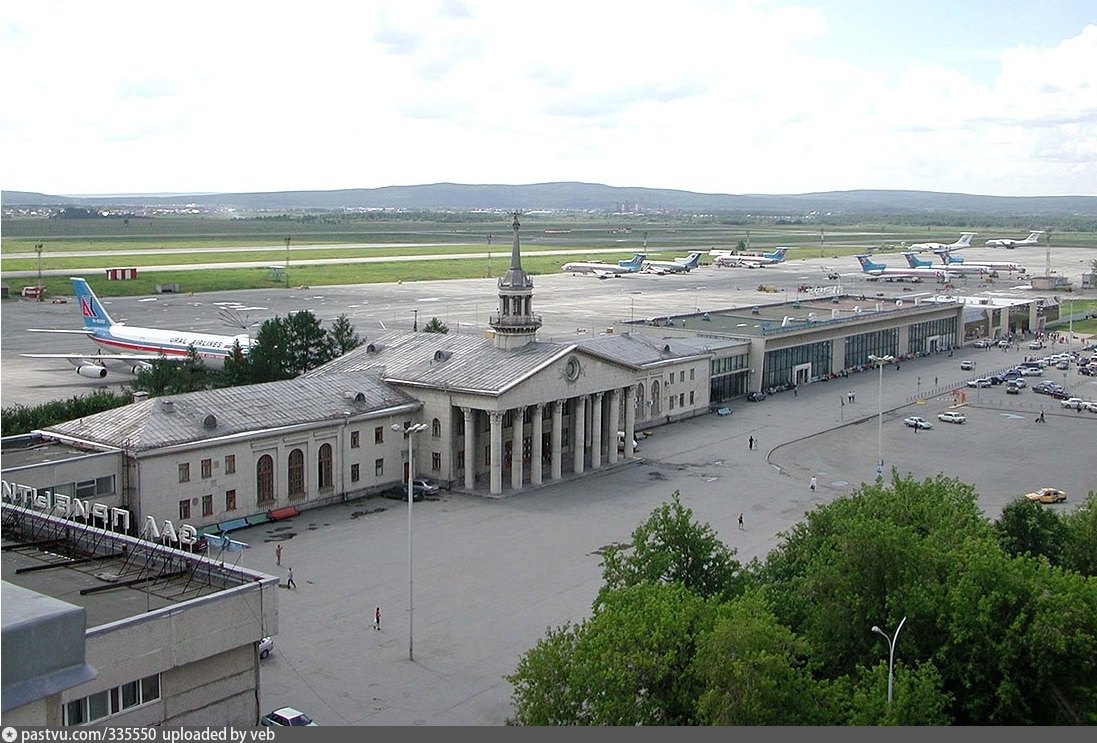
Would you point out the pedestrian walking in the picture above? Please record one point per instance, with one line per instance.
(796, 390)
(278, 555)
(377, 618)
(740, 521)
(750, 443)
(935, 381)
(291, 583)
(812, 483)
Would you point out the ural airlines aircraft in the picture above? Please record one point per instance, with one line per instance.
(678, 265)
(730, 260)
(960, 269)
(881, 271)
(604, 270)
(963, 242)
(1008, 242)
(952, 261)
(140, 346)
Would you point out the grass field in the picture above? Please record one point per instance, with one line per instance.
(139, 242)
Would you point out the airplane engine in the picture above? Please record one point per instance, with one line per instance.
(93, 371)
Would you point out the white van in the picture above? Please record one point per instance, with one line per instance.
(621, 442)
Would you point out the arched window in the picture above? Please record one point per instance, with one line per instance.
(436, 428)
(323, 464)
(656, 407)
(296, 473)
(264, 479)
(641, 402)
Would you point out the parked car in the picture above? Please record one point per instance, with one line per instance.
(1073, 402)
(400, 492)
(756, 396)
(423, 487)
(264, 646)
(1019, 382)
(952, 416)
(1012, 388)
(1035, 345)
(916, 422)
(287, 717)
(1032, 371)
(1047, 495)
(980, 382)
(983, 343)
(996, 379)
(967, 365)
(1004, 343)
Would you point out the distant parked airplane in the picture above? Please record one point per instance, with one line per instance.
(952, 261)
(678, 265)
(881, 271)
(142, 345)
(963, 242)
(604, 270)
(730, 260)
(1008, 242)
(960, 269)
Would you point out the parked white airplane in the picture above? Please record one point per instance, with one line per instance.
(963, 242)
(604, 270)
(729, 260)
(960, 269)
(141, 345)
(1008, 242)
(952, 261)
(881, 271)
(678, 265)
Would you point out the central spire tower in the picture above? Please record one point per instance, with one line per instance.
(515, 325)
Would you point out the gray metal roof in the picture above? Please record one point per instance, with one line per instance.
(639, 350)
(209, 414)
(440, 360)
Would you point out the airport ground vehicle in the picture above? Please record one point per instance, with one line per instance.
(287, 717)
(1047, 495)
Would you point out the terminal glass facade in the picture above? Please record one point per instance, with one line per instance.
(779, 367)
(877, 343)
(728, 377)
(933, 335)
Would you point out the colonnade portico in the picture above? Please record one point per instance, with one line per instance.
(603, 409)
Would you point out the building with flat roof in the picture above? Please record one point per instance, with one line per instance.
(104, 628)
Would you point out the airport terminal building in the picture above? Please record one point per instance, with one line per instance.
(500, 413)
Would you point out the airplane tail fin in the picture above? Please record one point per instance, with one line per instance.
(965, 239)
(914, 261)
(1034, 236)
(95, 317)
(947, 257)
(868, 265)
(633, 263)
(694, 260)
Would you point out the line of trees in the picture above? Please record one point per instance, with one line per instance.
(1001, 620)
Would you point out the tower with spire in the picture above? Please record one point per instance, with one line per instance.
(515, 325)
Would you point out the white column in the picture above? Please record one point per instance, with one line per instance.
(470, 448)
(516, 416)
(496, 487)
(614, 416)
(537, 424)
(578, 434)
(596, 431)
(557, 453)
(630, 422)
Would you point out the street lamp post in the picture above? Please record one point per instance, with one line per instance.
(891, 653)
(880, 361)
(919, 395)
(287, 263)
(409, 434)
(38, 250)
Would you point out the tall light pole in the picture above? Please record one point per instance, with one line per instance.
(891, 653)
(880, 361)
(38, 250)
(409, 434)
(287, 262)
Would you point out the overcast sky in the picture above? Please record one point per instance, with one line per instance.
(967, 96)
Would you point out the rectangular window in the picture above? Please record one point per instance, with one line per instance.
(379, 468)
(682, 400)
(230, 500)
(682, 376)
(184, 472)
(207, 469)
(85, 489)
(230, 464)
(436, 462)
(98, 705)
(379, 435)
(184, 509)
(104, 486)
(670, 402)
(354, 472)
(207, 505)
(111, 701)
(691, 397)
(131, 694)
(353, 439)
(692, 374)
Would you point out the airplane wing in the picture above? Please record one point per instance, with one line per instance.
(97, 357)
(80, 331)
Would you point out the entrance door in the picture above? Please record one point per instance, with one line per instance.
(801, 374)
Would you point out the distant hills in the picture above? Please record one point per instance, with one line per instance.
(586, 197)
